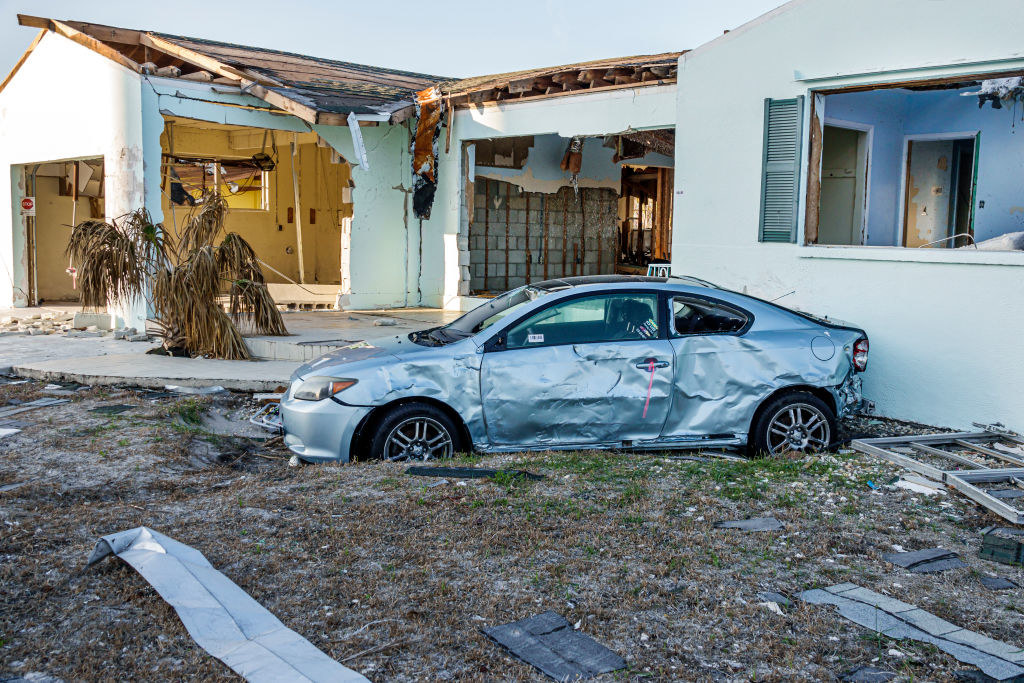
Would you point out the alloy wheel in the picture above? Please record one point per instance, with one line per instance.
(798, 427)
(418, 438)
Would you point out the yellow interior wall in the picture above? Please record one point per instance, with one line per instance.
(269, 232)
(53, 221)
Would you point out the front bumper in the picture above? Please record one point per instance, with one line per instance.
(320, 431)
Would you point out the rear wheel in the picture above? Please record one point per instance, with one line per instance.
(416, 431)
(798, 422)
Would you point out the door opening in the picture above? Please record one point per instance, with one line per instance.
(938, 194)
(844, 171)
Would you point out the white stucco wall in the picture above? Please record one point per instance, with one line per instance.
(944, 327)
(66, 102)
(600, 113)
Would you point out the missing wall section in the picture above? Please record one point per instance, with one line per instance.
(535, 209)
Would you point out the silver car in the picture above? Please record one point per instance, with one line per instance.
(583, 363)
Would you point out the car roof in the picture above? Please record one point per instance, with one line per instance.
(583, 280)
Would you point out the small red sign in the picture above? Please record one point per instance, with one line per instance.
(28, 203)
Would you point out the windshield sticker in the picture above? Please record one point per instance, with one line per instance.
(535, 339)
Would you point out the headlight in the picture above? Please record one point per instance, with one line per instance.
(319, 388)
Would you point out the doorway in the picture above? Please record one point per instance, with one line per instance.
(938, 193)
(844, 172)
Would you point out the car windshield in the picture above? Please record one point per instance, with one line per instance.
(480, 318)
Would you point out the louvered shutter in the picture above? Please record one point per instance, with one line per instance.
(780, 170)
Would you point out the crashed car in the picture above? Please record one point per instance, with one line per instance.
(597, 362)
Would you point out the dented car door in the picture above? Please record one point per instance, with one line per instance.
(583, 371)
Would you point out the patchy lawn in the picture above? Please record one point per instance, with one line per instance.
(395, 576)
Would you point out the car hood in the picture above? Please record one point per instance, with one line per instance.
(381, 348)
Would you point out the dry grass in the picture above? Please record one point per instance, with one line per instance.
(356, 557)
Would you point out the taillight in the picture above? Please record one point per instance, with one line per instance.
(860, 355)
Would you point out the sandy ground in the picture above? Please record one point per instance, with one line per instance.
(396, 577)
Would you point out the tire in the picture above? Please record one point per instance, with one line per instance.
(808, 422)
(417, 426)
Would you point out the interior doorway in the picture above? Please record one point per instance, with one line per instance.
(66, 193)
(938, 193)
(844, 172)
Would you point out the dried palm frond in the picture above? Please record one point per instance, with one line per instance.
(185, 300)
(251, 302)
(155, 243)
(204, 223)
(237, 260)
(111, 267)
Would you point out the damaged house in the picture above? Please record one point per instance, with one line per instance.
(881, 186)
(311, 154)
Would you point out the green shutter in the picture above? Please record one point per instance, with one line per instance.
(780, 169)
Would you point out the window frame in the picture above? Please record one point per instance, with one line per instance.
(498, 341)
(670, 314)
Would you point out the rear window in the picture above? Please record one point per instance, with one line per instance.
(699, 316)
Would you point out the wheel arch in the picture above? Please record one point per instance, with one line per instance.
(820, 392)
(364, 431)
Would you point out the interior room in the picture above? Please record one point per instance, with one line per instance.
(289, 196)
(933, 165)
(543, 206)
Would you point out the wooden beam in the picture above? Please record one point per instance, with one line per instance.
(82, 39)
(22, 59)
(111, 34)
(522, 85)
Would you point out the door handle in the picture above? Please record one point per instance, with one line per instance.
(651, 363)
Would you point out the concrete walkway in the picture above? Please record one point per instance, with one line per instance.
(155, 372)
(105, 361)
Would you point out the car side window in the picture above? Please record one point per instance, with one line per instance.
(699, 316)
(606, 317)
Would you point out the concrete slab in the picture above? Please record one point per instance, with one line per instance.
(314, 333)
(157, 371)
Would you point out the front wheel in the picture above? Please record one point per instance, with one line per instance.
(415, 431)
(798, 422)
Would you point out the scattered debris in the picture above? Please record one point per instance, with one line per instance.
(385, 322)
(114, 409)
(900, 620)
(777, 598)
(215, 389)
(268, 417)
(222, 618)
(16, 407)
(550, 643)
(771, 607)
(1002, 544)
(997, 583)
(752, 524)
(926, 561)
(12, 486)
(867, 674)
(469, 473)
(912, 482)
(974, 463)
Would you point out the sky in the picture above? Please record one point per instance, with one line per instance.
(452, 38)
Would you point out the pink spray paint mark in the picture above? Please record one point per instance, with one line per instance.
(649, 385)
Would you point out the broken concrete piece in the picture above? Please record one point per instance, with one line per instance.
(138, 338)
(97, 321)
(468, 472)
(899, 620)
(926, 561)
(222, 618)
(548, 642)
(385, 322)
(752, 524)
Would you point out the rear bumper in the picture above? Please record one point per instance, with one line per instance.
(849, 398)
(320, 431)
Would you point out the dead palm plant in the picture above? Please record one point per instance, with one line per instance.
(183, 277)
